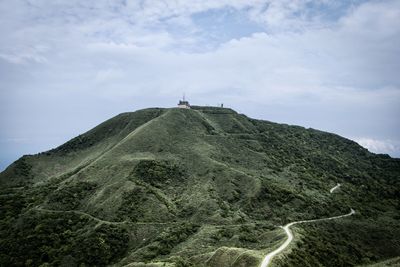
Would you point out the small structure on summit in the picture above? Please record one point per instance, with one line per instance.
(183, 103)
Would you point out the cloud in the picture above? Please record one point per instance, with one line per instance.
(380, 146)
(113, 35)
(108, 75)
(29, 54)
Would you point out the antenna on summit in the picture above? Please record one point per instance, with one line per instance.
(183, 103)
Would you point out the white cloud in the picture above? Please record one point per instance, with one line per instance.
(26, 54)
(108, 75)
(380, 146)
(286, 14)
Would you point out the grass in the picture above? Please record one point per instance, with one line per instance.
(199, 187)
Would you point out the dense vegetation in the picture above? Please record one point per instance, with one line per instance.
(37, 238)
(346, 244)
(71, 196)
(167, 240)
(158, 173)
(199, 187)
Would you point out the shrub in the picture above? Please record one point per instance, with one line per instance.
(157, 173)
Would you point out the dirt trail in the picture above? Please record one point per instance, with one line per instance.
(79, 213)
(334, 188)
(268, 258)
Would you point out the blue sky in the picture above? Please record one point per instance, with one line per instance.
(66, 66)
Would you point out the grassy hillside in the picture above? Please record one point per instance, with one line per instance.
(199, 187)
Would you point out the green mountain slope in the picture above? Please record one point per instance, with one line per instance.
(199, 187)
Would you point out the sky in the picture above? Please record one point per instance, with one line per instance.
(68, 65)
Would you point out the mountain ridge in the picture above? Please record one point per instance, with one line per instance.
(197, 187)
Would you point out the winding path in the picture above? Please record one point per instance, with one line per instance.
(38, 208)
(334, 188)
(101, 221)
(268, 258)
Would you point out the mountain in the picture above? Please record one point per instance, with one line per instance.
(199, 187)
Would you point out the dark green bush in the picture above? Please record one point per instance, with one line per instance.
(168, 239)
(157, 173)
(70, 197)
(57, 239)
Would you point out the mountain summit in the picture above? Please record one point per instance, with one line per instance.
(203, 186)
